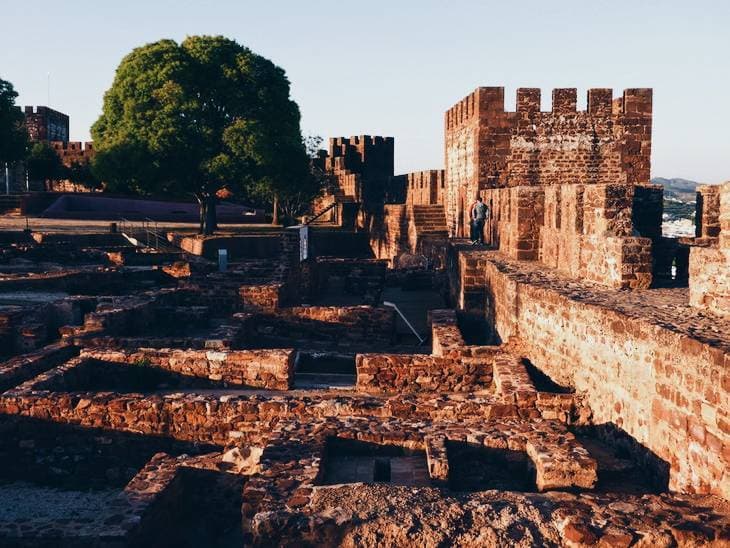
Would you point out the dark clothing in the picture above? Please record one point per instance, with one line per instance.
(479, 213)
(477, 230)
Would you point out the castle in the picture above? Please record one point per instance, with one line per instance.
(45, 124)
(370, 378)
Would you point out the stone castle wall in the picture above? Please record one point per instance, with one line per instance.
(487, 147)
(361, 165)
(46, 124)
(585, 231)
(709, 267)
(665, 386)
(74, 152)
(560, 185)
(418, 188)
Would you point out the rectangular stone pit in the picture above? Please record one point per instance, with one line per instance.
(474, 467)
(69, 485)
(354, 461)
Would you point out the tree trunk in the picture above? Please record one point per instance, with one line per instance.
(275, 215)
(203, 206)
(210, 216)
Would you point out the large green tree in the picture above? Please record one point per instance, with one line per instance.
(197, 117)
(13, 136)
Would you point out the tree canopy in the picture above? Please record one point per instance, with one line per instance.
(197, 117)
(13, 137)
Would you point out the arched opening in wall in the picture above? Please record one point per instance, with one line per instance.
(624, 464)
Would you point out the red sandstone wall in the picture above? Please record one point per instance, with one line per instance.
(361, 166)
(487, 147)
(74, 152)
(582, 230)
(406, 373)
(707, 219)
(425, 187)
(406, 228)
(709, 267)
(270, 368)
(667, 390)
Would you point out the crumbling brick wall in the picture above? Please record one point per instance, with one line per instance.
(403, 373)
(269, 368)
(340, 324)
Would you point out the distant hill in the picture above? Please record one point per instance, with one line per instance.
(679, 189)
(679, 206)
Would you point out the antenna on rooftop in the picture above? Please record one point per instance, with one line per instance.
(49, 89)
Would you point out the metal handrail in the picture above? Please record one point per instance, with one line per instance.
(318, 215)
(421, 340)
(151, 235)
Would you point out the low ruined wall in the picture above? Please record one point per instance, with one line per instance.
(226, 419)
(402, 373)
(446, 338)
(270, 368)
(239, 246)
(261, 297)
(344, 325)
(664, 388)
(366, 323)
(21, 368)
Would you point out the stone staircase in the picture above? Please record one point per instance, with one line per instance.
(330, 218)
(430, 220)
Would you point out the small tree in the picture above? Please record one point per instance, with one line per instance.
(13, 136)
(43, 163)
(195, 117)
(296, 201)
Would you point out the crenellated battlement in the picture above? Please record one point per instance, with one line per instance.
(609, 142)
(74, 152)
(489, 102)
(341, 146)
(76, 146)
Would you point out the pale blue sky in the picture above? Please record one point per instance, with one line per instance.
(393, 67)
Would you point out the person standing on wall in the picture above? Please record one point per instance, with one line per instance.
(479, 213)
